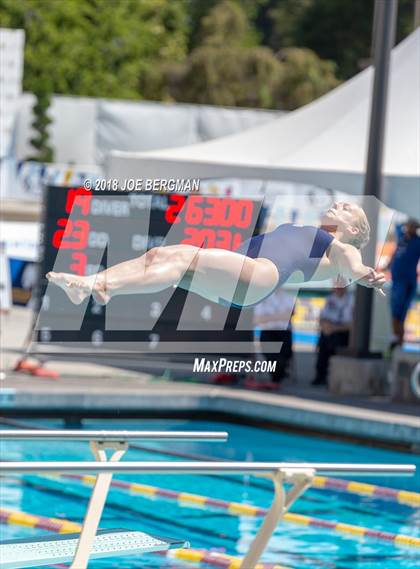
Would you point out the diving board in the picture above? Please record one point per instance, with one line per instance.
(48, 550)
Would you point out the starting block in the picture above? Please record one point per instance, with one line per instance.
(48, 550)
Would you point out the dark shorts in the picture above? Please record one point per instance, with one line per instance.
(402, 295)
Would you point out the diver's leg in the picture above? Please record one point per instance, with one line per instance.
(155, 270)
(233, 277)
(214, 274)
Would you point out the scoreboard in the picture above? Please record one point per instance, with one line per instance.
(87, 231)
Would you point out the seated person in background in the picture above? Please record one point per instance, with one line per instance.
(335, 324)
(273, 315)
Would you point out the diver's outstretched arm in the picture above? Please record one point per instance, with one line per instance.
(348, 262)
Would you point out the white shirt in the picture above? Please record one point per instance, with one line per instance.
(338, 309)
(279, 306)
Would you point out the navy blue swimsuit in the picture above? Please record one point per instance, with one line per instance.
(291, 248)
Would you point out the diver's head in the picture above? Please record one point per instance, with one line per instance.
(348, 223)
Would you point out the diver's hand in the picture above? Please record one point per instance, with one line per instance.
(375, 280)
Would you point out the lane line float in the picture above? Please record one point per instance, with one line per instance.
(13, 517)
(237, 509)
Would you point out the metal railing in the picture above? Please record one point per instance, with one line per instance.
(195, 467)
(299, 475)
(106, 435)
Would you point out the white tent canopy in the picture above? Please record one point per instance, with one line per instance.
(323, 143)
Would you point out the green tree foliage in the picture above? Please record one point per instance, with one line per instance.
(225, 25)
(226, 69)
(40, 124)
(232, 76)
(101, 48)
(262, 53)
(199, 9)
(338, 30)
(305, 77)
(281, 20)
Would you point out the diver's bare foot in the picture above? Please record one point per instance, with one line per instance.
(77, 288)
(100, 293)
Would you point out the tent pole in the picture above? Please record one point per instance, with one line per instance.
(383, 42)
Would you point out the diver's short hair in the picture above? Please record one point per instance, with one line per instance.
(362, 224)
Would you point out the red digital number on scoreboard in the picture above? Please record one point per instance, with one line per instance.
(172, 211)
(74, 234)
(212, 238)
(79, 263)
(203, 214)
(79, 198)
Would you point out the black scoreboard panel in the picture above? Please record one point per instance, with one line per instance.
(85, 231)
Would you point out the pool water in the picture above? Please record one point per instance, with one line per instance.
(294, 546)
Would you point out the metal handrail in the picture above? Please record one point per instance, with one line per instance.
(117, 436)
(157, 467)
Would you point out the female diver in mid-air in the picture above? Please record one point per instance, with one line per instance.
(290, 253)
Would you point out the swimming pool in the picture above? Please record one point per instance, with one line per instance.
(294, 546)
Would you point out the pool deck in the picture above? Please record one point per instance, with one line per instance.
(89, 389)
(93, 391)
